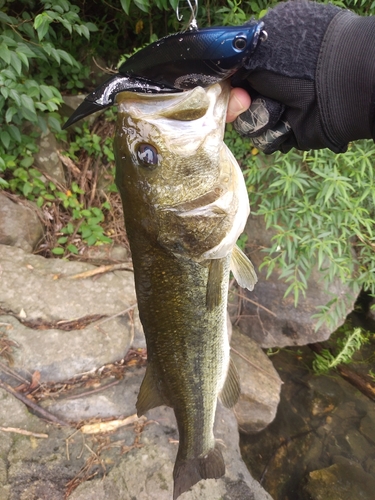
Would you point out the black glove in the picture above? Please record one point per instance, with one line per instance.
(314, 79)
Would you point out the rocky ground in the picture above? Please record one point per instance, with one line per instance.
(72, 360)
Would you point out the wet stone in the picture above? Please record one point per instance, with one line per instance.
(359, 445)
(367, 426)
(344, 481)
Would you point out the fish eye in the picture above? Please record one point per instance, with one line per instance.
(240, 42)
(147, 155)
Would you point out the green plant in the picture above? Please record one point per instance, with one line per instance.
(28, 44)
(321, 207)
(348, 344)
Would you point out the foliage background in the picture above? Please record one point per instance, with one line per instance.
(320, 204)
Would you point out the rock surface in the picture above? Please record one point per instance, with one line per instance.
(286, 325)
(47, 160)
(19, 225)
(50, 318)
(135, 461)
(260, 384)
(63, 326)
(344, 481)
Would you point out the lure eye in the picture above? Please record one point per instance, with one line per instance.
(147, 155)
(240, 42)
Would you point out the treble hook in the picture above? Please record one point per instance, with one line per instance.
(194, 10)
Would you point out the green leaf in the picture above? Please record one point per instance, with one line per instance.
(91, 26)
(6, 19)
(86, 232)
(54, 123)
(13, 94)
(11, 111)
(67, 25)
(72, 249)
(5, 139)
(23, 58)
(15, 62)
(41, 24)
(27, 189)
(125, 4)
(28, 103)
(85, 31)
(91, 240)
(67, 57)
(62, 240)
(57, 251)
(5, 53)
(15, 133)
(142, 5)
(27, 161)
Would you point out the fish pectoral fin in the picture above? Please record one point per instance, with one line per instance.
(231, 390)
(186, 473)
(215, 277)
(149, 394)
(242, 269)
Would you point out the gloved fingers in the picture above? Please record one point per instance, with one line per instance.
(263, 114)
(271, 139)
(263, 123)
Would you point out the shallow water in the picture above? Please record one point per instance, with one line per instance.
(321, 445)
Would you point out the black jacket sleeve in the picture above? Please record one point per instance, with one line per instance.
(316, 78)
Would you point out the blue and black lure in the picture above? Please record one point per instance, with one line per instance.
(199, 57)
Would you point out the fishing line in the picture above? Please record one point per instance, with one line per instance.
(193, 25)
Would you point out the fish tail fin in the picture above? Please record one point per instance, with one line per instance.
(189, 472)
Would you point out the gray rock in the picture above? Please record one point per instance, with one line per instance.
(134, 462)
(61, 355)
(38, 291)
(115, 402)
(146, 473)
(260, 384)
(288, 325)
(19, 225)
(47, 159)
(43, 288)
(106, 254)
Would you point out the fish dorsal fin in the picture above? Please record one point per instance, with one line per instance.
(242, 269)
(231, 390)
(214, 281)
(149, 394)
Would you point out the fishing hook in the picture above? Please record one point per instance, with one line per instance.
(193, 25)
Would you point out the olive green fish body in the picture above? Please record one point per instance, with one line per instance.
(185, 203)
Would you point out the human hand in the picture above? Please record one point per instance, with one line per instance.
(311, 82)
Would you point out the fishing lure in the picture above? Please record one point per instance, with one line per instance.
(197, 57)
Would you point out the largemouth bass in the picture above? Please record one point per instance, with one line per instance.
(185, 204)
